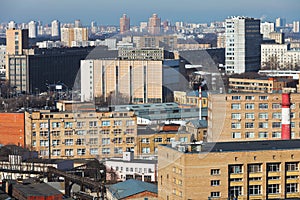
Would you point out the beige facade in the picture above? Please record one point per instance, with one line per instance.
(229, 174)
(250, 116)
(278, 37)
(137, 81)
(267, 85)
(154, 25)
(124, 24)
(16, 41)
(71, 35)
(81, 134)
(166, 41)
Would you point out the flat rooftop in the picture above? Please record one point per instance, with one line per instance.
(248, 146)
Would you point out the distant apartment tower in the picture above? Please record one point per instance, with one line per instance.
(278, 37)
(11, 25)
(280, 22)
(77, 23)
(296, 26)
(154, 25)
(71, 35)
(243, 39)
(266, 28)
(32, 27)
(55, 28)
(93, 27)
(124, 24)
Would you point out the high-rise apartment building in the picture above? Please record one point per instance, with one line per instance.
(124, 24)
(55, 28)
(11, 25)
(154, 25)
(243, 39)
(296, 26)
(69, 36)
(278, 37)
(32, 28)
(77, 23)
(280, 22)
(266, 28)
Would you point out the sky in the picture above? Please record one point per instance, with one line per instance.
(108, 12)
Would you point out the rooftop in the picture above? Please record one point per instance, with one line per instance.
(37, 189)
(131, 187)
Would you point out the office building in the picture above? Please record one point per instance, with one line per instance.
(278, 37)
(40, 67)
(32, 29)
(243, 41)
(16, 41)
(55, 28)
(72, 36)
(266, 28)
(251, 116)
(124, 24)
(80, 134)
(154, 25)
(296, 25)
(229, 170)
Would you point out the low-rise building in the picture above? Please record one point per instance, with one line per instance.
(132, 189)
(229, 170)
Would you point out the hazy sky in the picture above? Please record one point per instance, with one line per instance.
(108, 12)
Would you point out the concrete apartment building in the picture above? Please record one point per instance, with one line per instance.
(279, 56)
(16, 41)
(229, 170)
(148, 41)
(243, 39)
(80, 134)
(73, 36)
(251, 116)
(154, 25)
(278, 37)
(257, 85)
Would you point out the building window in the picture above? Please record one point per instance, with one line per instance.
(236, 135)
(254, 189)
(249, 115)
(68, 142)
(263, 97)
(105, 151)
(56, 152)
(293, 115)
(80, 124)
(291, 187)
(276, 124)
(273, 167)
(80, 152)
(262, 134)
(249, 106)
(263, 106)
(255, 179)
(104, 132)
(80, 132)
(215, 182)
(292, 166)
(215, 172)
(43, 125)
(145, 140)
(44, 143)
(250, 135)
(235, 116)
(235, 106)
(236, 169)
(249, 125)
(236, 191)
(157, 139)
(254, 168)
(236, 125)
(276, 115)
(276, 106)
(215, 194)
(117, 123)
(68, 124)
(263, 115)
(273, 189)
(129, 122)
(236, 97)
(93, 124)
(117, 131)
(276, 134)
(146, 150)
(105, 123)
(118, 150)
(263, 125)
(249, 97)
(80, 141)
(69, 152)
(55, 124)
(94, 151)
(55, 142)
(183, 139)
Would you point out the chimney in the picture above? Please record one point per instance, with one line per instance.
(285, 117)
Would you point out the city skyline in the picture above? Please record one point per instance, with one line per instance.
(109, 12)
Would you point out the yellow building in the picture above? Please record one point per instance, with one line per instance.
(234, 170)
(69, 36)
(250, 116)
(80, 134)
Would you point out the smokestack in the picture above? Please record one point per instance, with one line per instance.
(285, 117)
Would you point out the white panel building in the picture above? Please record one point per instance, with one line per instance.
(32, 28)
(55, 28)
(266, 28)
